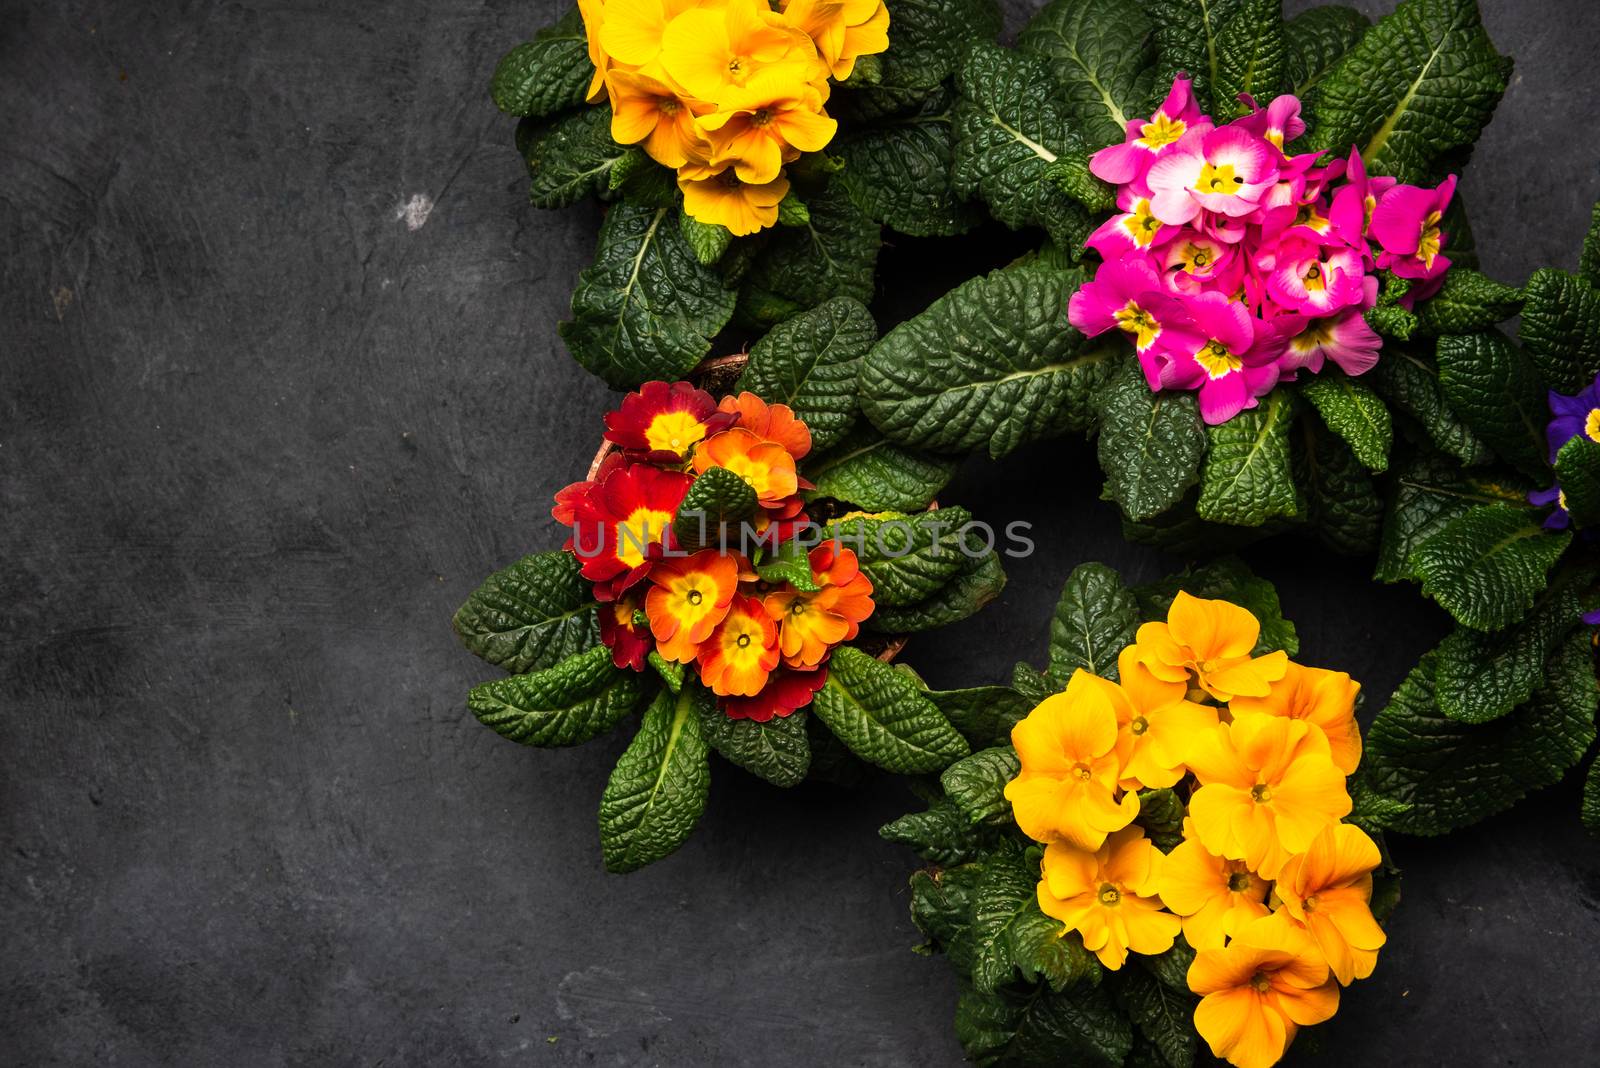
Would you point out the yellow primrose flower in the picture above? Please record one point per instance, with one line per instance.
(1325, 699)
(593, 13)
(1067, 788)
(1215, 896)
(765, 124)
(718, 196)
(1108, 896)
(1259, 990)
(1207, 644)
(711, 50)
(634, 28)
(1268, 787)
(843, 30)
(646, 109)
(1328, 890)
(1156, 726)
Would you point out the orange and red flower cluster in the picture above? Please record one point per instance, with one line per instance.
(1268, 885)
(761, 646)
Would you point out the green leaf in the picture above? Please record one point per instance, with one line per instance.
(1015, 145)
(790, 563)
(580, 698)
(1033, 685)
(980, 581)
(1252, 57)
(991, 364)
(792, 211)
(546, 74)
(1578, 473)
(1186, 33)
(1429, 491)
(1161, 815)
(1095, 617)
(1248, 476)
(717, 498)
(1484, 676)
(1371, 811)
(1355, 413)
(811, 363)
(776, 750)
(897, 170)
(941, 907)
(1468, 303)
(907, 557)
(1486, 566)
(1227, 579)
(1316, 39)
(1012, 936)
(1590, 811)
(1080, 1026)
(941, 835)
(646, 308)
(832, 255)
(1150, 443)
(871, 472)
(1454, 774)
(570, 156)
(708, 240)
(976, 784)
(643, 182)
(1101, 55)
(1495, 390)
(1342, 503)
(1409, 381)
(671, 672)
(984, 714)
(1421, 82)
(1163, 1015)
(1589, 265)
(884, 717)
(658, 789)
(926, 38)
(1560, 329)
(530, 615)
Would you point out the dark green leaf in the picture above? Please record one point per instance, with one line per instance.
(1186, 33)
(546, 74)
(671, 672)
(569, 156)
(984, 714)
(871, 472)
(976, 784)
(1495, 390)
(791, 563)
(1468, 303)
(1163, 1015)
(1342, 503)
(884, 716)
(1589, 264)
(530, 615)
(1095, 617)
(907, 557)
(1408, 380)
(1150, 443)
(941, 835)
(979, 581)
(1484, 676)
(658, 789)
(1578, 473)
(1590, 811)
(1248, 476)
(897, 170)
(1316, 40)
(718, 497)
(941, 907)
(811, 364)
(1486, 566)
(577, 699)
(1010, 934)
(1033, 685)
(926, 38)
(1161, 815)
(1560, 329)
(1356, 414)
(832, 255)
(1101, 55)
(776, 750)
(1251, 57)
(708, 240)
(1077, 1027)
(1429, 491)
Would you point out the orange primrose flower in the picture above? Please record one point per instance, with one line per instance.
(1215, 896)
(736, 660)
(1207, 644)
(769, 422)
(645, 109)
(1109, 896)
(712, 51)
(843, 30)
(634, 29)
(1156, 725)
(1268, 787)
(811, 624)
(718, 196)
(1328, 890)
(594, 19)
(1325, 699)
(688, 597)
(1257, 991)
(1067, 788)
(765, 465)
(766, 123)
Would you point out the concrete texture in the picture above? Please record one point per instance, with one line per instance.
(282, 383)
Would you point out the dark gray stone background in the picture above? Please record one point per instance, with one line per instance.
(259, 436)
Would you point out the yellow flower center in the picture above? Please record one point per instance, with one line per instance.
(1141, 324)
(1218, 362)
(1161, 131)
(1276, 137)
(1139, 725)
(1314, 281)
(1310, 903)
(1141, 225)
(1591, 426)
(669, 105)
(1196, 258)
(1312, 337)
(642, 529)
(739, 68)
(1261, 982)
(1082, 772)
(1428, 247)
(797, 606)
(673, 432)
(1220, 179)
(761, 118)
(1261, 793)
(743, 641)
(694, 596)
(1110, 896)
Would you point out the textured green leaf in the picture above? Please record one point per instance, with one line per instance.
(1342, 503)
(1316, 39)
(926, 38)
(991, 364)
(1421, 82)
(984, 714)
(644, 183)
(1486, 566)
(832, 255)
(1227, 579)
(980, 581)
(1495, 390)
(1453, 774)
(897, 170)
(546, 74)
(1560, 329)
(646, 308)
(811, 364)
(530, 615)
(1409, 381)
(1468, 303)
(1251, 57)
(1578, 473)
(870, 471)
(671, 672)
(1078, 1027)
(570, 156)
(791, 563)
(708, 240)
(1249, 476)
(884, 716)
(1010, 934)
(1590, 811)
(1150, 443)
(1356, 414)
(1161, 815)
(941, 835)
(941, 907)
(1186, 33)
(907, 557)
(580, 698)
(1094, 618)
(1016, 147)
(658, 789)
(1484, 676)
(776, 750)
(1101, 55)
(1180, 530)
(976, 784)
(1429, 491)
(1589, 266)
(1163, 1015)
(716, 498)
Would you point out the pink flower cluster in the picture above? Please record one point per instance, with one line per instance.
(1233, 264)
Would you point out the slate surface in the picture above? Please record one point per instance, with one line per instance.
(281, 382)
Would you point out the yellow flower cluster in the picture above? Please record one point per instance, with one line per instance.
(727, 91)
(1268, 886)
